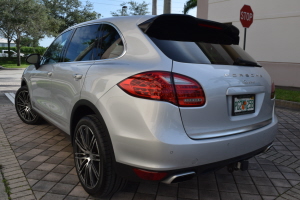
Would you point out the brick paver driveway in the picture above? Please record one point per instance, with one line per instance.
(45, 156)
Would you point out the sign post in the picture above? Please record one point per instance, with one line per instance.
(246, 18)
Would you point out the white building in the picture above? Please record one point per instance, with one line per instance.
(3, 43)
(274, 37)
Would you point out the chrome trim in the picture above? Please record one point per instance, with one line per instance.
(268, 148)
(172, 178)
(233, 131)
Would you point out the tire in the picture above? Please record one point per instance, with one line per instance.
(93, 156)
(24, 108)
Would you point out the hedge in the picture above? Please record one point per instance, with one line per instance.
(6, 60)
(27, 50)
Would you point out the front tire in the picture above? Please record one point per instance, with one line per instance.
(24, 108)
(94, 158)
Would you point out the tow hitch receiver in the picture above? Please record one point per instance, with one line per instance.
(242, 165)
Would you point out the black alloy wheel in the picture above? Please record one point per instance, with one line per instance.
(24, 108)
(87, 156)
(93, 156)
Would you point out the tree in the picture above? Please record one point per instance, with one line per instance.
(134, 9)
(29, 41)
(26, 18)
(190, 4)
(7, 31)
(68, 13)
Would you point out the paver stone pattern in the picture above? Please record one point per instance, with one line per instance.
(45, 155)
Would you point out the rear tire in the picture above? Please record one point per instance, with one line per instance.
(94, 158)
(24, 108)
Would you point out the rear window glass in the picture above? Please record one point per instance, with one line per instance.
(201, 53)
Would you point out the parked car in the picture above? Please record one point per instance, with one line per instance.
(13, 53)
(150, 98)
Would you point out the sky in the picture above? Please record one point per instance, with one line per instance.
(104, 7)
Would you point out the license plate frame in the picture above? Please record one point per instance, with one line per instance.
(239, 107)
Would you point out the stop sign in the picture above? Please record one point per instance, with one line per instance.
(246, 16)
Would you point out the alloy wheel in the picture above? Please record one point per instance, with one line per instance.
(87, 157)
(24, 106)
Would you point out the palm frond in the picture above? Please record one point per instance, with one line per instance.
(190, 4)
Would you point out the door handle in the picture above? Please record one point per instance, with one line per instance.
(49, 73)
(77, 76)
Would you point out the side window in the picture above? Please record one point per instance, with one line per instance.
(82, 44)
(111, 43)
(54, 52)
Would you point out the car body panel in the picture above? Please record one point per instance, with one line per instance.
(139, 55)
(40, 87)
(220, 83)
(150, 135)
(66, 89)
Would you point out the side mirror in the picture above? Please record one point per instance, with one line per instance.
(34, 59)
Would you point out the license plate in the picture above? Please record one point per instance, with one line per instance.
(243, 104)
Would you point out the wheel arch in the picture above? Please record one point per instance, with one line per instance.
(82, 108)
(23, 82)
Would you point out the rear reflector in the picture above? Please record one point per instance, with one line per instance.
(151, 176)
(273, 91)
(165, 86)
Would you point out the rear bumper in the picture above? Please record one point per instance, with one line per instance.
(187, 153)
(127, 172)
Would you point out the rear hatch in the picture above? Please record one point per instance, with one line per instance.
(237, 89)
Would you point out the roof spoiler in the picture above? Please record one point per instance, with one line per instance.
(188, 28)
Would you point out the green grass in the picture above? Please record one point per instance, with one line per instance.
(288, 95)
(14, 65)
(12, 62)
(7, 188)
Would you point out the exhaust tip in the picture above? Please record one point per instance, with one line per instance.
(179, 177)
(268, 148)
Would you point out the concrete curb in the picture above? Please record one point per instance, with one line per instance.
(287, 104)
(12, 171)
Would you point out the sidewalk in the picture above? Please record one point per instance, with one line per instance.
(43, 156)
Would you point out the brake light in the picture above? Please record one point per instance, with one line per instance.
(210, 26)
(147, 175)
(189, 92)
(165, 86)
(273, 91)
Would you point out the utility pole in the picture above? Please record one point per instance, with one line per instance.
(167, 6)
(202, 9)
(154, 7)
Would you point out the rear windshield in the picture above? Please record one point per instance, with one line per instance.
(202, 53)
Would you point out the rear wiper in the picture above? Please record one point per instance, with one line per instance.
(243, 62)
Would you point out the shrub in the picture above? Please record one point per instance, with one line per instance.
(27, 50)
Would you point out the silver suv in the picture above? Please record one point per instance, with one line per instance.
(156, 98)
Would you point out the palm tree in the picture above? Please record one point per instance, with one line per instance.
(189, 5)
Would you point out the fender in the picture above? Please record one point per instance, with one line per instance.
(83, 102)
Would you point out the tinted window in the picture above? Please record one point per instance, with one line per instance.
(111, 43)
(201, 53)
(84, 41)
(54, 52)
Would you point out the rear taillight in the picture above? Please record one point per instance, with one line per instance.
(147, 175)
(165, 86)
(273, 91)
